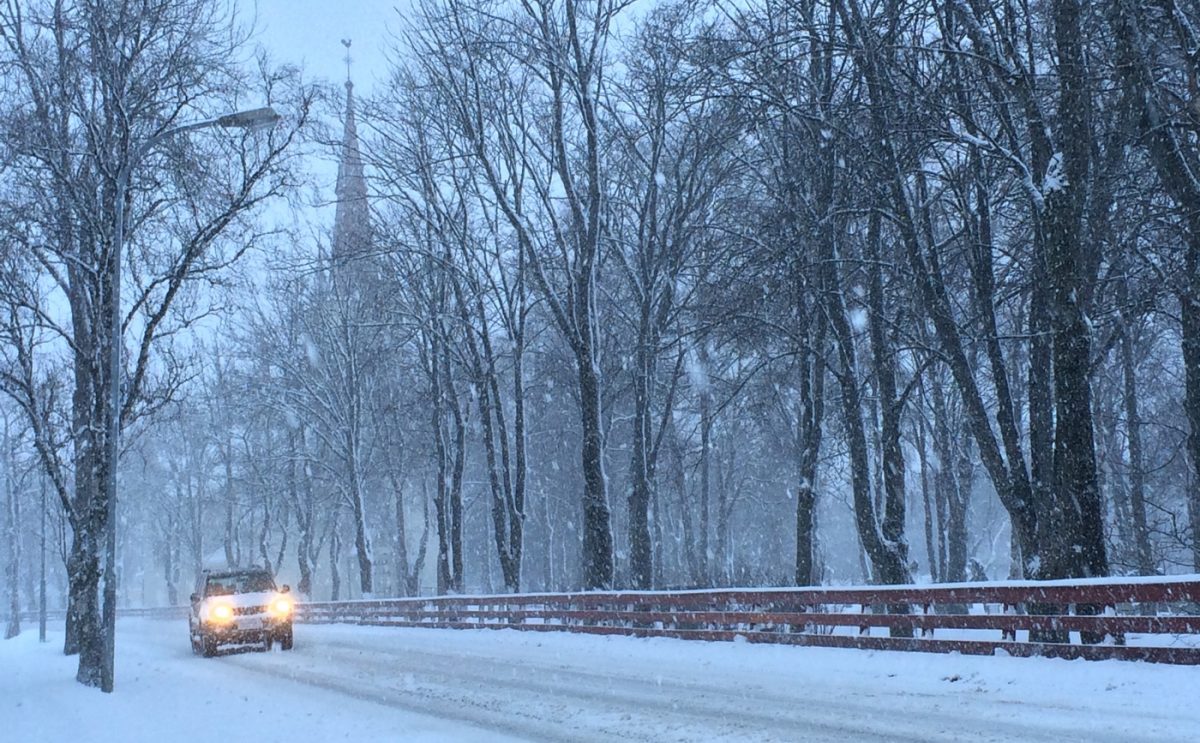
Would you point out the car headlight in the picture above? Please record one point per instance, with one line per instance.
(221, 613)
(281, 607)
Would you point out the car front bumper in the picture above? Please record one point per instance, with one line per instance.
(247, 629)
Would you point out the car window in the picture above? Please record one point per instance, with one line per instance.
(257, 582)
(226, 585)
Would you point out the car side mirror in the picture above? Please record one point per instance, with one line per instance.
(285, 588)
(195, 598)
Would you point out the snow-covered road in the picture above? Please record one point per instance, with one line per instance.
(371, 684)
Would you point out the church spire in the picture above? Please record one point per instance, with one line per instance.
(352, 220)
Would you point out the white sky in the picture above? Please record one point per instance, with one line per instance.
(309, 33)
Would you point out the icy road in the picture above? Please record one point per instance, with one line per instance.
(378, 684)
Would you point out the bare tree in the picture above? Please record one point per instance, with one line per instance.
(98, 81)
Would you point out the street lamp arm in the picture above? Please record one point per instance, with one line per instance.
(250, 119)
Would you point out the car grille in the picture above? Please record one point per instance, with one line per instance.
(244, 610)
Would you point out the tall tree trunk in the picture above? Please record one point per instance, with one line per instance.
(335, 556)
(958, 503)
(362, 540)
(890, 404)
(456, 482)
(170, 566)
(400, 538)
(13, 508)
(695, 574)
(516, 538)
(810, 421)
(1071, 542)
(597, 527)
(83, 569)
(1190, 321)
(1137, 475)
(42, 565)
(449, 456)
(944, 478)
(927, 502)
(640, 557)
(887, 564)
(703, 552)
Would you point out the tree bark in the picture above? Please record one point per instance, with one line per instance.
(13, 519)
(1143, 555)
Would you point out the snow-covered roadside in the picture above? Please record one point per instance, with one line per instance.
(383, 684)
(164, 693)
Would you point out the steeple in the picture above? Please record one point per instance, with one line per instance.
(352, 220)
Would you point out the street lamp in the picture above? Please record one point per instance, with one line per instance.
(257, 118)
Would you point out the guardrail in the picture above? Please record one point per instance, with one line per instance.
(1149, 619)
(1154, 619)
(156, 612)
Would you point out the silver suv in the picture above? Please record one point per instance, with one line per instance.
(239, 607)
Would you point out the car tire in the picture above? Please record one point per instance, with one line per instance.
(268, 642)
(285, 639)
(210, 646)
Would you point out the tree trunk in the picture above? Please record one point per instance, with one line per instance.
(1137, 477)
(640, 558)
(890, 404)
(597, 529)
(1189, 311)
(1071, 540)
(703, 552)
(887, 564)
(944, 480)
(400, 540)
(679, 481)
(516, 539)
(362, 541)
(13, 507)
(957, 506)
(335, 557)
(84, 573)
(230, 541)
(927, 497)
(170, 565)
(810, 420)
(42, 566)
(456, 484)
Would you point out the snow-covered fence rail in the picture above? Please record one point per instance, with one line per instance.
(157, 612)
(1155, 619)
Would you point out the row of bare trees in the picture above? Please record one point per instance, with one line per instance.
(935, 216)
(929, 257)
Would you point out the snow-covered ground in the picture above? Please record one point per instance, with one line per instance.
(382, 684)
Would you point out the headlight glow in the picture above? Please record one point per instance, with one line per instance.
(222, 613)
(282, 607)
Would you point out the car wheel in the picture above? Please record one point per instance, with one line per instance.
(210, 646)
(268, 641)
(285, 639)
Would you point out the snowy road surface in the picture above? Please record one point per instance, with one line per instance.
(379, 684)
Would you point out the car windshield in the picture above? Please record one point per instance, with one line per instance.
(225, 585)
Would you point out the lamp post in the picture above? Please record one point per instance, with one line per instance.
(257, 118)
